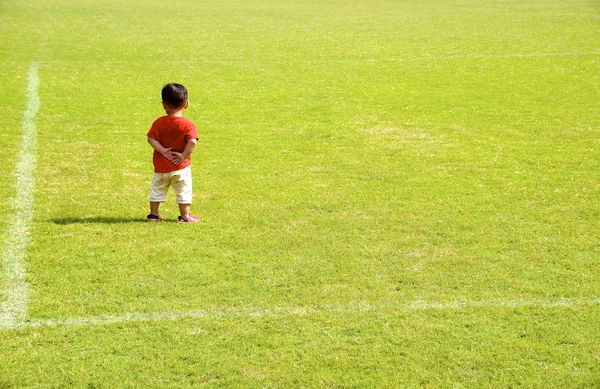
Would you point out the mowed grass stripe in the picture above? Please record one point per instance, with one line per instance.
(277, 311)
(14, 307)
(346, 60)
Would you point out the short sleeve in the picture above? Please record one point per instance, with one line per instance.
(152, 132)
(191, 132)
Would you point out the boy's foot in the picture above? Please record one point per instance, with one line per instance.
(188, 219)
(153, 218)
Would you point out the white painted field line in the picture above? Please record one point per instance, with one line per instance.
(14, 306)
(279, 311)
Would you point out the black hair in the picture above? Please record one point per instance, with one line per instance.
(174, 95)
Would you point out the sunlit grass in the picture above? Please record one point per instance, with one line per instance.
(351, 153)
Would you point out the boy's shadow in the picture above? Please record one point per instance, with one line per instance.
(97, 220)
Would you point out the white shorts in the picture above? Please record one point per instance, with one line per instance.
(180, 180)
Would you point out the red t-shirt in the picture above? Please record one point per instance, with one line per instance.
(172, 132)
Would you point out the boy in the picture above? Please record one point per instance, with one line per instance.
(173, 138)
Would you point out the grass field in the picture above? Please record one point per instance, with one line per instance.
(393, 193)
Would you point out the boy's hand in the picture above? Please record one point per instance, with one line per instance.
(177, 158)
(170, 155)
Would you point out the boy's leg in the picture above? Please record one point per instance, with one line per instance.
(154, 207)
(184, 210)
(158, 193)
(182, 184)
(185, 216)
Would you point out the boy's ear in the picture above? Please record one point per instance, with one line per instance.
(187, 104)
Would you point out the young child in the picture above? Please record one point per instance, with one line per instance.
(173, 138)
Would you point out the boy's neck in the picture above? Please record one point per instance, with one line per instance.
(178, 113)
(174, 111)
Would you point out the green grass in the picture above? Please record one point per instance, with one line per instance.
(401, 156)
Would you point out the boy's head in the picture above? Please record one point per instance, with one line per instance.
(174, 95)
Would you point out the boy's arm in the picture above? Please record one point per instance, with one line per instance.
(186, 152)
(165, 152)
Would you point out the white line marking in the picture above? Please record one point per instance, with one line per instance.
(14, 307)
(279, 311)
